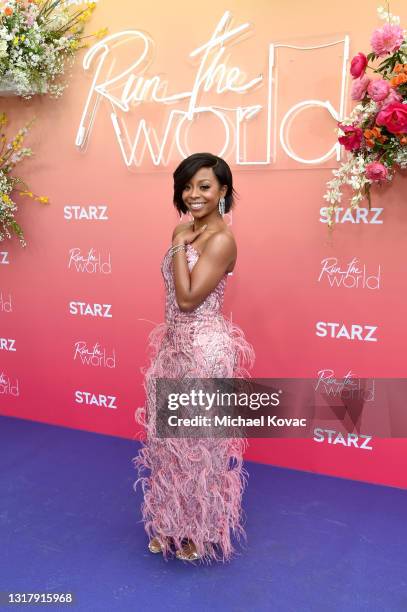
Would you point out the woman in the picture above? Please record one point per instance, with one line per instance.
(192, 497)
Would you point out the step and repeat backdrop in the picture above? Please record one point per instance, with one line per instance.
(261, 84)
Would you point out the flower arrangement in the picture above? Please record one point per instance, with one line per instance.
(37, 39)
(11, 153)
(375, 133)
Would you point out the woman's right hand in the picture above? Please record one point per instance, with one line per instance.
(187, 234)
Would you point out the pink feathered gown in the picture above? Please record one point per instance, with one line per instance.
(193, 487)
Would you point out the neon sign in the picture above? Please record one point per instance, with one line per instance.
(213, 75)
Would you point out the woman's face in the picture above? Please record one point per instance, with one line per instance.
(202, 193)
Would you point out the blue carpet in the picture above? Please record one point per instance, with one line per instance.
(70, 522)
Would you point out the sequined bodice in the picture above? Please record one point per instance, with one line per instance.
(212, 305)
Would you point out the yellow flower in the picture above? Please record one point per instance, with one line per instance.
(27, 193)
(101, 33)
(92, 6)
(3, 119)
(22, 37)
(85, 15)
(15, 40)
(74, 44)
(17, 142)
(43, 199)
(6, 199)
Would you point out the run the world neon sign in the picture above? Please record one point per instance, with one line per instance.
(213, 75)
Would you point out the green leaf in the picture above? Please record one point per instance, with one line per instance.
(17, 229)
(367, 190)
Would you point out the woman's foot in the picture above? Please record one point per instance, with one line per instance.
(154, 546)
(188, 552)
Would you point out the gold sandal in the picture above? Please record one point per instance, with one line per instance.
(186, 554)
(154, 546)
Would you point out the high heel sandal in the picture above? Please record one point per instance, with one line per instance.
(186, 554)
(154, 546)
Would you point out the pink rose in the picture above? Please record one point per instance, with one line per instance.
(393, 117)
(393, 96)
(359, 87)
(386, 39)
(375, 171)
(358, 65)
(352, 137)
(378, 89)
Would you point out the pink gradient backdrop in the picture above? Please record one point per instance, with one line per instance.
(274, 294)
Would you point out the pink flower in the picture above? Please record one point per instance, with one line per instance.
(393, 96)
(386, 39)
(393, 117)
(352, 137)
(378, 89)
(375, 171)
(358, 65)
(359, 87)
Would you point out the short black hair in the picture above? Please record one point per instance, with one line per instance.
(190, 166)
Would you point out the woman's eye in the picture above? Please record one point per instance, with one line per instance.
(187, 187)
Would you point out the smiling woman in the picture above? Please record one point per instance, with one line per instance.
(192, 497)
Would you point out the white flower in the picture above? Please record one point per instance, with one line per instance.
(386, 16)
(3, 48)
(56, 22)
(354, 183)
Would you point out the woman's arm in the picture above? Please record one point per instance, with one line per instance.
(192, 288)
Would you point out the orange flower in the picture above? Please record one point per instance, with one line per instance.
(8, 11)
(374, 134)
(399, 79)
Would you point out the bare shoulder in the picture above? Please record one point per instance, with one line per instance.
(179, 228)
(222, 242)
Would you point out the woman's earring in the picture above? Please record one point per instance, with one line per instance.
(221, 206)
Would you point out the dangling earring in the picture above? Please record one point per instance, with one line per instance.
(221, 206)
